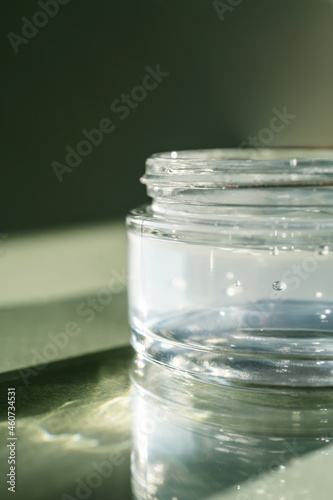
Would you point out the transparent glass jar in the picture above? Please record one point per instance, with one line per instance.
(231, 265)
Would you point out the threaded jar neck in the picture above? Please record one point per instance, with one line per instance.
(242, 177)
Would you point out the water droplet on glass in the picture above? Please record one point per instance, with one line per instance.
(279, 286)
(237, 283)
(323, 250)
(275, 251)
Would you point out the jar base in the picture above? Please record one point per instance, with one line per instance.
(271, 344)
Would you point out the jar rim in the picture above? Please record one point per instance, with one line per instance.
(233, 168)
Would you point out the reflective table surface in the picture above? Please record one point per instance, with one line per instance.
(91, 426)
(72, 428)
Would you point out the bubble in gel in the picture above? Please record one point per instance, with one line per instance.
(230, 291)
(279, 286)
(323, 250)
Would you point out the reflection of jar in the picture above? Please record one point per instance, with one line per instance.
(194, 440)
(230, 266)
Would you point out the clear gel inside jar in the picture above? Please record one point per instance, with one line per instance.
(231, 266)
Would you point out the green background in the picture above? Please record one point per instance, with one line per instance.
(225, 79)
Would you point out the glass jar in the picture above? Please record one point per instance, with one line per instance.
(231, 265)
